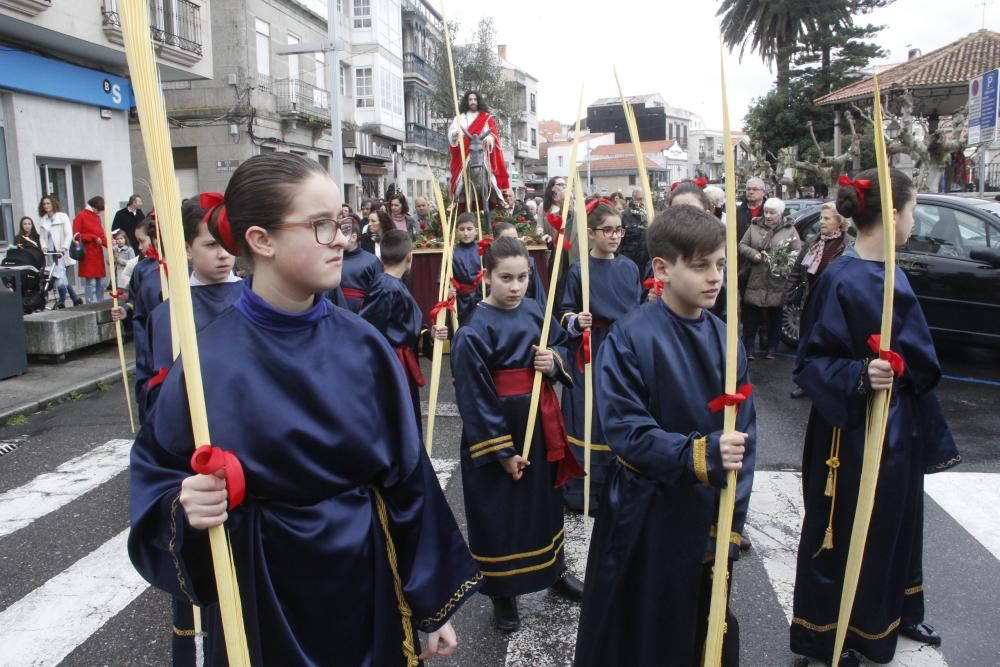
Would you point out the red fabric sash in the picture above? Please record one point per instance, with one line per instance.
(518, 382)
(465, 289)
(157, 379)
(894, 359)
(583, 356)
(721, 401)
(352, 293)
(411, 365)
(208, 460)
(476, 126)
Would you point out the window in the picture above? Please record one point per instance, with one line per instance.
(631, 179)
(362, 14)
(409, 187)
(321, 70)
(293, 59)
(324, 161)
(263, 48)
(7, 231)
(531, 102)
(345, 74)
(268, 149)
(385, 90)
(364, 87)
(938, 230)
(397, 95)
(560, 160)
(670, 130)
(534, 137)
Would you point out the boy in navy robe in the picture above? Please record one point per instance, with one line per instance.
(615, 291)
(839, 370)
(513, 506)
(648, 590)
(536, 290)
(467, 276)
(361, 268)
(391, 309)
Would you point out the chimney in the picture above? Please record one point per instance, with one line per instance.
(914, 53)
(502, 51)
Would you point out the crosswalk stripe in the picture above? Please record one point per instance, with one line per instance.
(444, 469)
(50, 491)
(46, 625)
(774, 524)
(971, 499)
(443, 409)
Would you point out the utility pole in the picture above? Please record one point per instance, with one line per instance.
(330, 47)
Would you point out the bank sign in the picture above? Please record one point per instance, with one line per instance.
(983, 108)
(31, 73)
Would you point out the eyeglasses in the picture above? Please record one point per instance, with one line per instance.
(325, 229)
(611, 232)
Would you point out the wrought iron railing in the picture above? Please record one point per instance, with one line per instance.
(174, 22)
(414, 64)
(424, 136)
(301, 98)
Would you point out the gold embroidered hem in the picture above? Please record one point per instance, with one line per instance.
(553, 548)
(452, 602)
(913, 590)
(734, 537)
(490, 450)
(564, 317)
(409, 651)
(172, 545)
(699, 453)
(833, 626)
(562, 367)
(628, 465)
(186, 633)
(594, 447)
(487, 443)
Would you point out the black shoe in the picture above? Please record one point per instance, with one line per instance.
(77, 301)
(60, 306)
(745, 543)
(569, 587)
(798, 392)
(923, 633)
(850, 659)
(505, 614)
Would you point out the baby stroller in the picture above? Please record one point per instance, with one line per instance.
(35, 279)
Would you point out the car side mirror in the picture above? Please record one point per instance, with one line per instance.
(988, 255)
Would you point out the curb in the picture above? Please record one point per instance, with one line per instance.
(85, 387)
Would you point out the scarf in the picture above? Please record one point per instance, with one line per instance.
(814, 256)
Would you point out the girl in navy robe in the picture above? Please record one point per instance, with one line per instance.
(615, 290)
(536, 290)
(648, 589)
(466, 276)
(344, 544)
(391, 309)
(513, 506)
(361, 269)
(839, 371)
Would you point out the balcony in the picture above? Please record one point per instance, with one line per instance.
(175, 28)
(424, 136)
(298, 100)
(419, 13)
(522, 148)
(415, 65)
(28, 7)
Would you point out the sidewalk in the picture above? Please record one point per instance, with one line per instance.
(45, 383)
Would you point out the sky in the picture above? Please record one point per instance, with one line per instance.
(673, 48)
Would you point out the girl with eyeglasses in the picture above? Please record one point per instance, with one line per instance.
(344, 544)
(615, 290)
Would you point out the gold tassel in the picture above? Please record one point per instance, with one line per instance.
(832, 463)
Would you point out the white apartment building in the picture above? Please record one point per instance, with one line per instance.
(521, 140)
(65, 98)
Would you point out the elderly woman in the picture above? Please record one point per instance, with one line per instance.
(770, 245)
(817, 253)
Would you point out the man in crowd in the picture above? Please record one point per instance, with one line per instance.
(634, 220)
(422, 207)
(128, 218)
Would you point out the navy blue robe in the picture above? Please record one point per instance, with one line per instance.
(644, 600)
(515, 527)
(390, 308)
(208, 301)
(144, 294)
(615, 291)
(360, 270)
(291, 396)
(843, 310)
(465, 266)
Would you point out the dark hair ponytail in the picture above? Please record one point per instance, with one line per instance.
(862, 203)
(503, 248)
(260, 193)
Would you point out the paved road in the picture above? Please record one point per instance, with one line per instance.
(70, 595)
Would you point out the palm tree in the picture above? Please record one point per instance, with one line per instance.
(772, 28)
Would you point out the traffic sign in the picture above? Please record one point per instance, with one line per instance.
(983, 107)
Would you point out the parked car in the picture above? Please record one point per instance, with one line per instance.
(952, 261)
(794, 206)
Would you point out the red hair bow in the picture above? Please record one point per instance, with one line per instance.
(557, 224)
(212, 201)
(208, 460)
(721, 401)
(597, 202)
(894, 359)
(653, 284)
(860, 185)
(152, 254)
(484, 245)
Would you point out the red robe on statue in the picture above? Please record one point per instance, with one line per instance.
(495, 156)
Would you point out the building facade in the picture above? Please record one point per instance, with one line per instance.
(521, 141)
(64, 98)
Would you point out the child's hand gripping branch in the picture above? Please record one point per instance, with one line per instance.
(732, 447)
(205, 500)
(880, 374)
